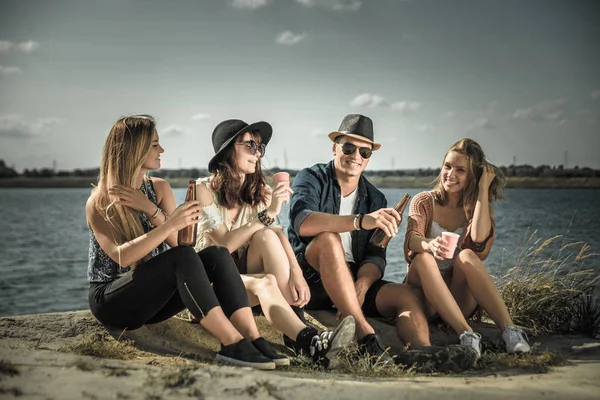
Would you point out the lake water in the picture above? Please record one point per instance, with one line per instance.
(44, 240)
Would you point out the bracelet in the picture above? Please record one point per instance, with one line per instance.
(354, 222)
(158, 211)
(264, 218)
(360, 219)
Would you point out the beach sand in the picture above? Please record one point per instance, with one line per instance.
(175, 360)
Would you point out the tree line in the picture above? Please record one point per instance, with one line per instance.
(510, 171)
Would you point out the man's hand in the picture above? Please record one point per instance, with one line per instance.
(387, 219)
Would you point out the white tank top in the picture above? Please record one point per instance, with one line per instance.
(435, 231)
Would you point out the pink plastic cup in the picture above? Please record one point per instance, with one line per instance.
(281, 177)
(450, 242)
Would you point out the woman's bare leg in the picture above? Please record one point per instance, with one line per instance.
(267, 255)
(220, 327)
(481, 286)
(425, 274)
(263, 289)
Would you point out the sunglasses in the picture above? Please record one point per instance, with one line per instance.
(254, 147)
(349, 148)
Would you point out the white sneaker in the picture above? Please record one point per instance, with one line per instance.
(515, 340)
(471, 339)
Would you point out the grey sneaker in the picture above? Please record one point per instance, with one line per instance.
(471, 339)
(515, 339)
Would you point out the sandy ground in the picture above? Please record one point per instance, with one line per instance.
(37, 362)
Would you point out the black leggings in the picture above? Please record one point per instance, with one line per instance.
(166, 284)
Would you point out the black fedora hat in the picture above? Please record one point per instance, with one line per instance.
(228, 130)
(357, 126)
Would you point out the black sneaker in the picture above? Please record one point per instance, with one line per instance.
(371, 345)
(268, 351)
(244, 354)
(324, 347)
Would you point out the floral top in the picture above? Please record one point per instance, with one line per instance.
(215, 214)
(102, 268)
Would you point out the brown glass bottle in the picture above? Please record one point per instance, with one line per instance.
(187, 236)
(379, 238)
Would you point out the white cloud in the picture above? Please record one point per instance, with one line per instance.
(16, 127)
(335, 5)
(368, 100)
(522, 113)
(28, 47)
(595, 95)
(289, 38)
(425, 127)
(449, 115)
(347, 5)
(173, 131)
(5, 46)
(318, 132)
(25, 47)
(10, 70)
(249, 4)
(481, 123)
(200, 117)
(545, 110)
(407, 107)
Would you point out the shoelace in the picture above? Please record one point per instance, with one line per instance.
(320, 342)
(513, 332)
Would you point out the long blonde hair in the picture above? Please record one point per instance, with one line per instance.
(125, 150)
(476, 158)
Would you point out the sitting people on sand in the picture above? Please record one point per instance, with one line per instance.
(334, 210)
(137, 273)
(455, 282)
(239, 212)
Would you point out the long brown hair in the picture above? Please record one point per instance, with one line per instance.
(227, 184)
(476, 158)
(125, 150)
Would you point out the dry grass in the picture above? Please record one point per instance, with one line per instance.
(103, 346)
(551, 290)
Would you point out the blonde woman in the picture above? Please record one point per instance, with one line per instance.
(137, 273)
(460, 203)
(239, 212)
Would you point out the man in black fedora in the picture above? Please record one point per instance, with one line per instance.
(333, 212)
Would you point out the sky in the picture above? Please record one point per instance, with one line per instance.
(520, 77)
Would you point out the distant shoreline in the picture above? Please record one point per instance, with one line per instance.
(380, 182)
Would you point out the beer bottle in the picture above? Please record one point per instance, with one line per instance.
(187, 236)
(379, 238)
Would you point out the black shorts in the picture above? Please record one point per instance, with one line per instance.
(319, 299)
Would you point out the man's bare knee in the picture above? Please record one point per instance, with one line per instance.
(327, 240)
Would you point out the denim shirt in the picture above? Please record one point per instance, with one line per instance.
(317, 189)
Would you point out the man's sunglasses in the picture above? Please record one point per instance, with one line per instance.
(254, 147)
(349, 148)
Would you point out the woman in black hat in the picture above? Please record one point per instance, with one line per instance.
(239, 212)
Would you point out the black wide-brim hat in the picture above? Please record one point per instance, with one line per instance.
(226, 132)
(356, 126)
